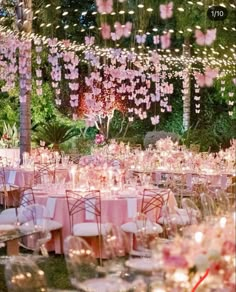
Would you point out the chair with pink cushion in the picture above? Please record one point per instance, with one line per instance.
(144, 227)
(87, 203)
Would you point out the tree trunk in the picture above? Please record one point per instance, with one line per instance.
(24, 17)
(25, 108)
(187, 88)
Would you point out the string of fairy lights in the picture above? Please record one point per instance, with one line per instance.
(204, 55)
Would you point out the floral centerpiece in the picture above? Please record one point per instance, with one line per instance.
(9, 137)
(100, 140)
(204, 258)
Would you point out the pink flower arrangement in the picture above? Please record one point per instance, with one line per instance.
(99, 139)
(210, 248)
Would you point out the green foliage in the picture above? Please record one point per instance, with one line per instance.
(55, 133)
(9, 105)
(42, 107)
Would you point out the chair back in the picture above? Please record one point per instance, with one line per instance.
(23, 275)
(208, 205)
(152, 200)
(222, 202)
(193, 212)
(44, 173)
(80, 260)
(35, 219)
(84, 201)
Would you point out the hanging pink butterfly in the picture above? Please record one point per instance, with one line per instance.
(74, 117)
(205, 39)
(74, 75)
(23, 99)
(163, 103)
(197, 105)
(155, 97)
(163, 109)
(104, 6)
(74, 103)
(58, 91)
(131, 119)
(197, 98)
(39, 73)
(106, 31)
(52, 42)
(231, 94)
(207, 78)
(74, 86)
(141, 39)
(169, 108)
(54, 84)
(39, 82)
(96, 91)
(197, 111)
(156, 39)
(22, 83)
(114, 37)
(39, 91)
(123, 30)
(89, 41)
(155, 120)
(234, 81)
(58, 101)
(165, 40)
(166, 10)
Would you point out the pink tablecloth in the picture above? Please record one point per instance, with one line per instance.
(23, 177)
(214, 179)
(114, 210)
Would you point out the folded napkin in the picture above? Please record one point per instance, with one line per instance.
(51, 206)
(11, 177)
(89, 209)
(132, 207)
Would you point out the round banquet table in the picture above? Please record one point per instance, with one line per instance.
(116, 210)
(24, 177)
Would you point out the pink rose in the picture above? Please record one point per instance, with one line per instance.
(228, 248)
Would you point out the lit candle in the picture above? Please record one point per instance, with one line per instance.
(73, 171)
(25, 157)
(223, 221)
(180, 276)
(198, 236)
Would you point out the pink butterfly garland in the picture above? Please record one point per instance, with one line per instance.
(9, 65)
(38, 70)
(71, 62)
(53, 59)
(25, 75)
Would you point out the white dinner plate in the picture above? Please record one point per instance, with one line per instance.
(146, 265)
